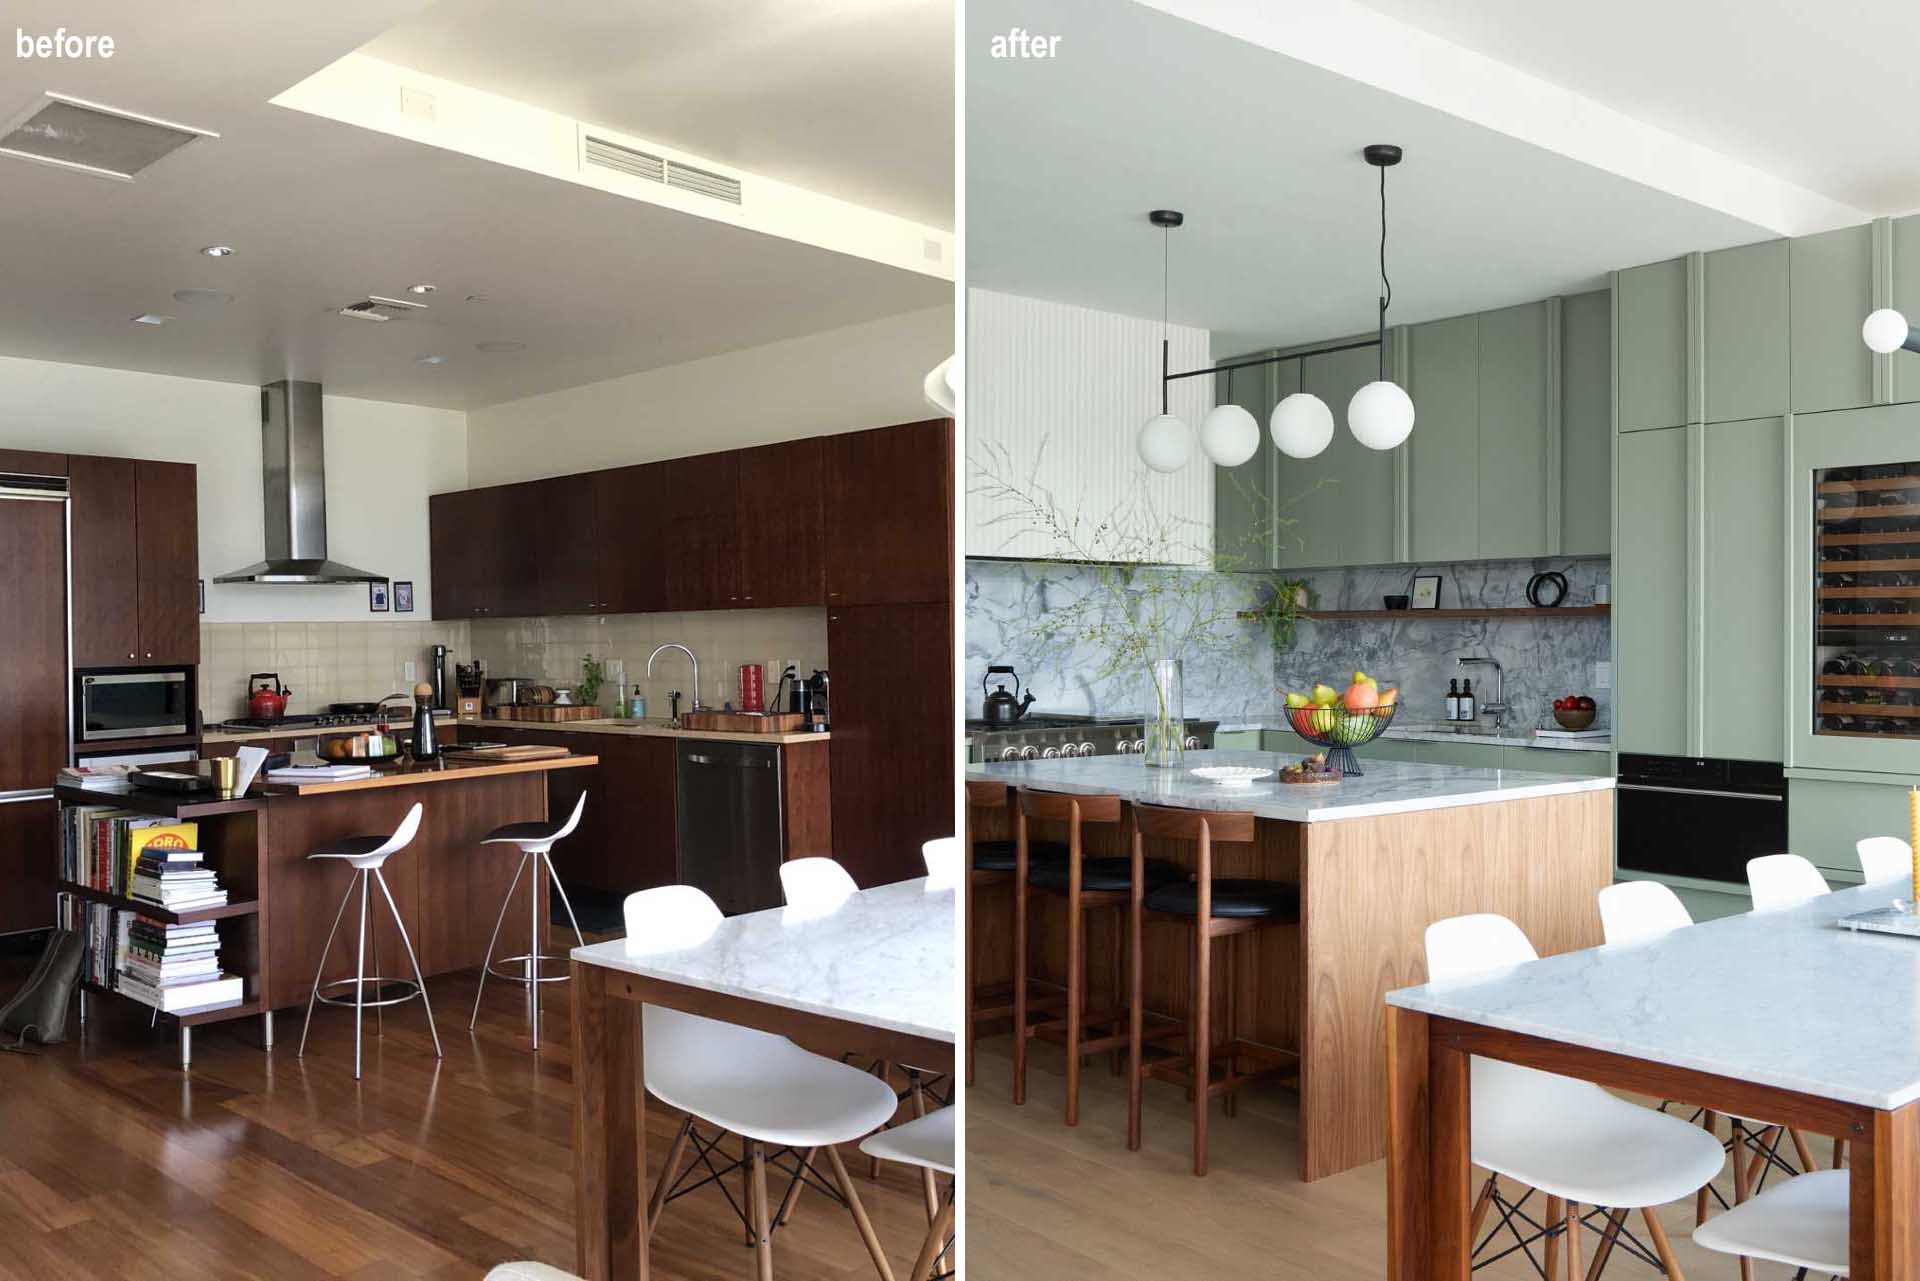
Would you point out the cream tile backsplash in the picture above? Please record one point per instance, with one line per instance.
(549, 649)
(320, 663)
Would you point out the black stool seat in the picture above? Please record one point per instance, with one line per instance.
(998, 856)
(350, 847)
(525, 833)
(1101, 874)
(1231, 898)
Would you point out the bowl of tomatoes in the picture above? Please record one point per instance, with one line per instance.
(1575, 711)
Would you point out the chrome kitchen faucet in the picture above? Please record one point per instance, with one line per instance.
(1499, 707)
(696, 673)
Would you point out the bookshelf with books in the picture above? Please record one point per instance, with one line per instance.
(168, 893)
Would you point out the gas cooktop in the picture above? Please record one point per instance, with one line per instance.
(1044, 736)
(1040, 720)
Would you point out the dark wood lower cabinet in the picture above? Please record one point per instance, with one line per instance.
(29, 844)
(894, 751)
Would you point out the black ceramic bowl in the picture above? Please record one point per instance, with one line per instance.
(1395, 602)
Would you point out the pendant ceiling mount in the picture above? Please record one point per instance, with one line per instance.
(1380, 415)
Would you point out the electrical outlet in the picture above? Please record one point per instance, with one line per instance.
(1603, 675)
(413, 671)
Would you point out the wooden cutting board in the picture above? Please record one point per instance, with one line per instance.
(744, 722)
(548, 713)
(523, 752)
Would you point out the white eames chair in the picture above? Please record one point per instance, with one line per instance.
(942, 856)
(815, 886)
(1884, 858)
(784, 1102)
(927, 1142)
(1779, 881)
(1801, 1223)
(1570, 1140)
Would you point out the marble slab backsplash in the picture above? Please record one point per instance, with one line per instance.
(1005, 599)
(1543, 658)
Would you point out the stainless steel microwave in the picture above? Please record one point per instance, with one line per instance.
(116, 706)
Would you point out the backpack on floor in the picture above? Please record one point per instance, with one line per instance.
(38, 1011)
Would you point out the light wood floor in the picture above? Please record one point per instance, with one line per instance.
(1043, 1200)
(115, 1165)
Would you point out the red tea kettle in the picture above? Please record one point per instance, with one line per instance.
(266, 702)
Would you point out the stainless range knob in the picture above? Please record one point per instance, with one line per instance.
(1086, 749)
(1029, 753)
(1009, 753)
(1053, 753)
(1192, 744)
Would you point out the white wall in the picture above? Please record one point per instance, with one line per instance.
(1063, 391)
(382, 461)
(866, 375)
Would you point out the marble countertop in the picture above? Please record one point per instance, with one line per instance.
(646, 729)
(1785, 998)
(1387, 787)
(1440, 733)
(884, 958)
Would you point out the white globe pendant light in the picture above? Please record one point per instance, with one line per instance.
(1886, 330)
(1380, 415)
(1301, 425)
(1229, 435)
(1165, 443)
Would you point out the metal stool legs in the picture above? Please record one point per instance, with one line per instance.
(530, 975)
(363, 882)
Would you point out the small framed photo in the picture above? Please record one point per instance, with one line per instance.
(377, 597)
(402, 596)
(1426, 592)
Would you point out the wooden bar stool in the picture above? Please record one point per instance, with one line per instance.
(1087, 884)
(991, 862)
(1211, 908)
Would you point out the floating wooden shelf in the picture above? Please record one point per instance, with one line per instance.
(153, 911)
(1566, 611)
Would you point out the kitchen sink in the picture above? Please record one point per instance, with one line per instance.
(1460, 731)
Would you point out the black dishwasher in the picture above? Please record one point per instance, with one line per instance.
(730, 822)
(1703, 818)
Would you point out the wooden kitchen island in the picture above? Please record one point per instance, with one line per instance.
(448, 886)
(1377, 859)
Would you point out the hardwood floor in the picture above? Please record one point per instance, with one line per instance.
(1043, 1200)
(113, 1164)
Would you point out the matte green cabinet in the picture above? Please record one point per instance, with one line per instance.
(1744, 607)
(1243, 525)
(1514, 426)
(1830, 293)
(1443, 460)
(1746, 332)
(1586, 424)
(1906, 297)
(1650, 593)
(1825, 818)
(1652, 336)
(1341, 503)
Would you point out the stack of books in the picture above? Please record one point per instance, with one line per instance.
(100, 844)
(174, 968)
(174, 879)
(319, 773)
(108, 779)
(93, 922)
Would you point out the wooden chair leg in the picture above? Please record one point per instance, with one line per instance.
(1700, 1197)
(1076, 1001)
(966, 943)
(1556, 1225)
(1758, 1162)
(860, 1220)
(1020, 990)
(1202, 1045)
(668, 1173)
(1804, 1152)
(936, 1242)
(1135, 1010)
(1839, 1152)
(1662, 1246)
(1616, 1219)
(762, 1229)
(794, 1189)
(883, 1070)
(1481, 1205)
(1576, 1261)
(1118, 1056)
(927, 1184)
(1741, 1181)
(1233, 1096)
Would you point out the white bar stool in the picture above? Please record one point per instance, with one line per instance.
(1884, 858)
(536, 840)
(786, 1103)
(367, 854)
(1566, 1138)
(927, 1142)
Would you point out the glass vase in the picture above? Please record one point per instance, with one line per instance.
(1165, 732)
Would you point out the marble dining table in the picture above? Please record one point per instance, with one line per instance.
(873, 976)
(1784, 1014)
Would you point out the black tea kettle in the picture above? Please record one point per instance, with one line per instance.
(999, 707)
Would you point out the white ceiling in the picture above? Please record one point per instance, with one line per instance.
(830, 95)
(1808, 91)
(322, 214)
(1065, 158)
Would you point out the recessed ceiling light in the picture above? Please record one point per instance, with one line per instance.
(197, 297)
(151, 318)
(429, 360)
(476, 297)
(218, 251)
(420, 289)
(501, 345)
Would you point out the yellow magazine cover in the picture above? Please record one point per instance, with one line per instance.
(166, 836)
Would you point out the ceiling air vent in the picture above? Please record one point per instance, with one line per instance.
(603, 153)
(374, 307)
(72, 133)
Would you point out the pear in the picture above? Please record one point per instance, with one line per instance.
(1361, 678)
(1325, 696)
(1298, 700)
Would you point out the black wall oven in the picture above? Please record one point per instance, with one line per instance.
(1696, 817)
(121, 706)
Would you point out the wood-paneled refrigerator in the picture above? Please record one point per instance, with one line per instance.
(34, 716)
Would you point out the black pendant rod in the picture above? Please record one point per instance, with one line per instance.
(1356, 345)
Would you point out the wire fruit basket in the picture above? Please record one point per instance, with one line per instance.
(1339, 731)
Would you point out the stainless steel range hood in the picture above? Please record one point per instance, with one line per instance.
(293, 460)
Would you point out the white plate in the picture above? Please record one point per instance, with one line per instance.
(1230, 775)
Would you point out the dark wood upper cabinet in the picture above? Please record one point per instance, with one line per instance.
(136, 562)
(555, 522)
(889, 515)
(781, 523)
(467, 547)
(699, 540)
(629, 515)
(28, 462)
(105, 569)
(167, 524)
